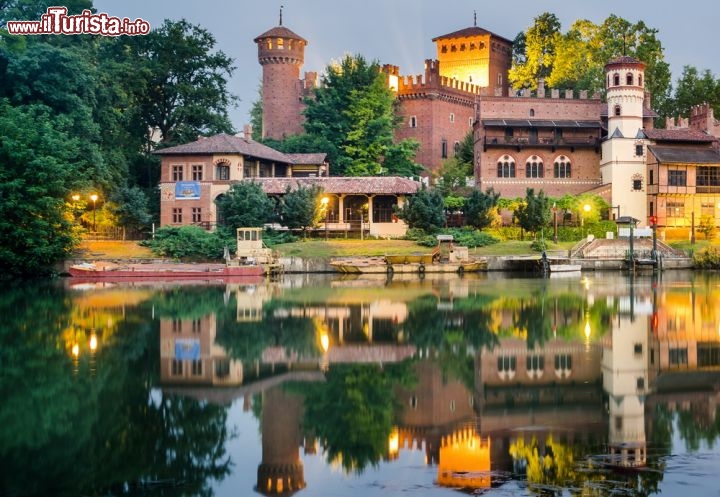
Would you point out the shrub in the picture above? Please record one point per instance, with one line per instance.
(190, 243)
(707, 259)
(466, 237)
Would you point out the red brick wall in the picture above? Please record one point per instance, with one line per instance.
(282, 105)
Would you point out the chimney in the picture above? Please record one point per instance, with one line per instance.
(247, 131)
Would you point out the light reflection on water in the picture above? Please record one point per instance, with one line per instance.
(600, 385)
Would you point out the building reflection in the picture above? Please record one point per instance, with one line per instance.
(561, 380)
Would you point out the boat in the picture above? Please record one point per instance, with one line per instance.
(162, 270)
(445, 258)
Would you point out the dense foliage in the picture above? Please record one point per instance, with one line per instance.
(424, 210)
(245, 205)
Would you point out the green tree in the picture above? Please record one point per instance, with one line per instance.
(300, 208)
(245, 205)
(534, 213)
(256, 116)
(481, 208)
(695, 88)
(424, 210)
(354, 110)
(452, 177)
(181, 82)
(130, 206)
(539, 43)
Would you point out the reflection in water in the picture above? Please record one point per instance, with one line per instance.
(581, 384)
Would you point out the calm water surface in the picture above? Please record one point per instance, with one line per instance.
(603, 384)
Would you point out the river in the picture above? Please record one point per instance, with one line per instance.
(321, 385)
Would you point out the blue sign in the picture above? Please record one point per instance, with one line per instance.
(187, 349)
(187, 190)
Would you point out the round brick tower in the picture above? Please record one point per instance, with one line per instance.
(281, 53)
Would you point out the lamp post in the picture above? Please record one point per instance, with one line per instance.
(555, 232)
(326, 203)
(94, 198)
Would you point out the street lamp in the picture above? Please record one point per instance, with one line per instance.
(94, 198)
(555, 233)
(586, 208)
(325, 203)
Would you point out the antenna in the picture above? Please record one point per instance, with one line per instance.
(475, 18)
(281, 7)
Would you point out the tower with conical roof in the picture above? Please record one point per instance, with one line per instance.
(281, 53)
(622, 164)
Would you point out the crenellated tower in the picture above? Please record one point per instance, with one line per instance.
(622, 164)
(281, 53)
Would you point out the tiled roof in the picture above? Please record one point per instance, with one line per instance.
(679, 135)
(228, 144)
(468, 32)
(382, 185)
(625, 60)
(279, 32)
(688, 155)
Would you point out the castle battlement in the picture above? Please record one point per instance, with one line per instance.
(702, 118)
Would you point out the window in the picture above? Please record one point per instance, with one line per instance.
(509, 133)
(616, 79)
(707, 209)
(675, 209)
(443, 149)
(636, 184)
(678, 357)
(506, 167)
(443, 49)
(197, 368)
(470, 121)
(413, 402)
(453, 48)
(177, 367)
(535, 365)
(177, 215)
(222, 368)
(532, 112)
(452, 117)
(639, 150)
(222, 172)
(677, 178)
(507, 364)
(452, 406)
(640, 383)
(617, 110)
(196, 214)
(196, 326)
(562, 167)
(176, 326)
(638, 349)
(177, 173)
(708, 176)
(500, 79)
(413, 121)
(534, 167)
(197, 173)
(652, 177)
(462, 47)
(629, 79)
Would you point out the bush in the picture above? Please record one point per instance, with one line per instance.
(539, 245)
(189, 243)
(707, 259)
(465, 237)
(273, 237)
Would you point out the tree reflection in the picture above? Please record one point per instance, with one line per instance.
(354, 410)
(68, 430)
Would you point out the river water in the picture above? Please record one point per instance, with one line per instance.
(320, 385)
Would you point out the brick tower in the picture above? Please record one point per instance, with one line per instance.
(281, 54)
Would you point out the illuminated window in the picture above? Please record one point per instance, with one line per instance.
(675, 209)
(177, 173)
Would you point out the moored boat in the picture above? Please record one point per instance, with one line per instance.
(161, 270)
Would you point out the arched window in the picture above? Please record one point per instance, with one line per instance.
(534, 167)
(222, 171)
(506, 167)
(532, 112)
(452, 117)
(562, 167)
(616, 79)
(629, 79)
(616, 111)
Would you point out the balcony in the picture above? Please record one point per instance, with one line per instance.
(521, 142)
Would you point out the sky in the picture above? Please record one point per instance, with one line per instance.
(400, 32)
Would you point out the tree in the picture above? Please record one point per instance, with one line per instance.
(539, 43)
(354, 110)
(695, 88)
(39, 159)
(534, 213)
(301, 208)
(130, 206)
(479, 208)
(245, 205)
(424, 210)
(452, 177)
(181, 84)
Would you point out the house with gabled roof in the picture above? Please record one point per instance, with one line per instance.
(194, 175)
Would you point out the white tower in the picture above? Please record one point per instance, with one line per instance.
(622, 164)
